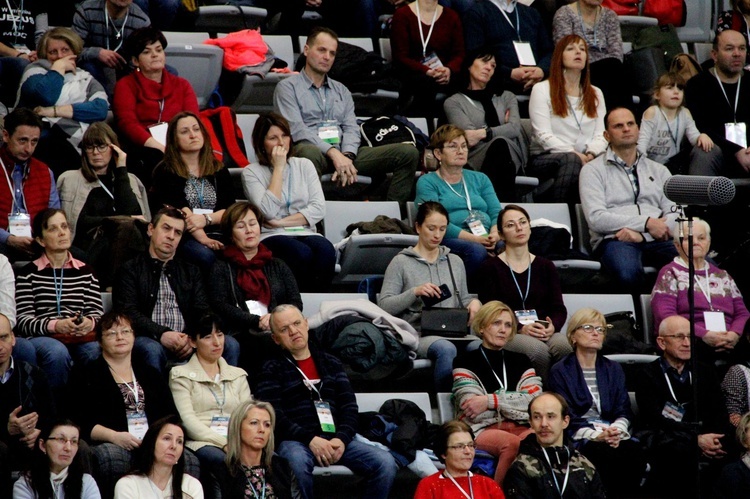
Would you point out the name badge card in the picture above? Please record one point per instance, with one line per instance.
(202, 211)
(714, 321)
(599, 424)
(526, 316)
(137, 424)
(328, 132)
(325, 416)
(256, 308)
(19, 224)
(524, 53)
(474, 223)
(159, 132)
(220, 424)
(673, 412)
(22, 49)
(432, 61)
(736, 133)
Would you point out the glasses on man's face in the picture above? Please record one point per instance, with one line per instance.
(522, 222)
(463, 146)
(64, 440)
(100, 148)
(461, 447)
(590, 328)
(679, 337)
(126, 332)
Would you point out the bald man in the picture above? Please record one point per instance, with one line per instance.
(667, 414)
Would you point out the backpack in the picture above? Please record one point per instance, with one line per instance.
(226, 136)
(382, 130)
(685, 65)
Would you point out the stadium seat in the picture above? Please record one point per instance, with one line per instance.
(229, 18)
(199, 64)
(605, 304)
(256, 94)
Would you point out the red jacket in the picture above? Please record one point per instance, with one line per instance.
(36, 186)
(136, 103)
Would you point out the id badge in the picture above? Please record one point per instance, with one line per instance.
(325, 416)
(714, 321)
(524, 53)
(22, 49)
(19, 224)
(202, 211)
(526, 316)
(137, 424)
(220, 424)
(328, 132)
(432, 61)
(475, 225)
(599, 424)
(673, 412)
(736, 133)
(159, 132)
(256, 308)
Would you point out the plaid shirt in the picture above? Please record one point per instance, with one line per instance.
(166, 312)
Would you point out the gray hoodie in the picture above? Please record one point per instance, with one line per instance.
(408, 270)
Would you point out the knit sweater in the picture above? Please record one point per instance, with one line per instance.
(495, 282)
(408, 270)
(609, 202)
(99, 32)
(432, 187)
(655, 138)
(472, 376)
(670, 296)
(604, 39)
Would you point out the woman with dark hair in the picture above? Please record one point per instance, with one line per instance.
(567, 116)
(497, 144)
(288, 192)
(116, 398)
(67, 97)
(254, 470)
(57, 301)
(530, 285)
(191, 179)
(206, 390)
(57, 472)
(147, 99)
(159, 470)
(415, 275)
(249, 282)
(455, 446)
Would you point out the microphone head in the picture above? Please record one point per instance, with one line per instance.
(699, 190)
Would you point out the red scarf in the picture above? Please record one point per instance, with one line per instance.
(250, 277)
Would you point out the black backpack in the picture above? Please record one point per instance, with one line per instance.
(383, 130)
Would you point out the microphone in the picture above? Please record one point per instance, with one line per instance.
(699, 190)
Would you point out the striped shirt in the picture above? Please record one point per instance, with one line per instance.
(101, 32)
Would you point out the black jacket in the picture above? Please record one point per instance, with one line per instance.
(137, 287)
(27, 387)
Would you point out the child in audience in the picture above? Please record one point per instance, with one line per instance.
(667, 123)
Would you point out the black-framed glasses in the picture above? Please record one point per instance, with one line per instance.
(102, 148)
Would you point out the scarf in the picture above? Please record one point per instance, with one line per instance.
(250, 277)
(484, 96)
(57, 480)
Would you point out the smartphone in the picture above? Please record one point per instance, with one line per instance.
(543, 323)
(431, 301)
(78, 319)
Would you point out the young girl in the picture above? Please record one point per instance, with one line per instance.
(666, 124)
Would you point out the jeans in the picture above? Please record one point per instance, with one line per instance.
(11, 69)
(626, 260)
(311, 259)
(442, 353)
(196, 253)
(24, 350)
(377, 465)
(213, 472)
(54, 359)
(155, 355)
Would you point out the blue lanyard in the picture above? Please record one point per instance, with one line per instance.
(567, 472)
(58, 288)
(517, 27)
(518, 287)
(194, 182)
(263, 486)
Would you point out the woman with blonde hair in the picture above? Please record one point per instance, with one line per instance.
(492, 387)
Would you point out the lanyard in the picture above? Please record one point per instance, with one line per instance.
(13, 192)
(309, 383)
(583, 27)
(597, 399)
(288, 193)
(706, 292)
(429, 33)
(528, 283)
(560, 491)
(470, 495)
(58, 288)
(573, 112)
(517, 27)
(505, 373)
(669, 129)
(161, 110)
(263, 487)
(223, 396)
(669, 384)
(194, 183)
(107, 191)
(14, 17)
(466, 190)
(134, 389)
(118, 33)
(736, 96)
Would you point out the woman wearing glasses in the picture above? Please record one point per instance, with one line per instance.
(468, 196)
(57, 471)
(115, 398)
(454, 446)
(594, 388)
(492, 387)
(528, 284)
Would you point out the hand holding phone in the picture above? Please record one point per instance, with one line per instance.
(431, 301)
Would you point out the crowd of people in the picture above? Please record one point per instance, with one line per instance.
(205, 378)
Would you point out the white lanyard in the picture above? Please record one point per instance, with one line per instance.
(575, 116)
(736, 96)
(107, 191)
(429, 33)
(223, 396)
(505, 373)
(309, 383)
(567, 472)
(14, 17)
(466, 190)
(118, 33)
(161, 110)
(669, 384)
(706, 292)
(12, 192)
(669, 129)
(134, 389)
(471, 101)
(470, 495)
(517, 27)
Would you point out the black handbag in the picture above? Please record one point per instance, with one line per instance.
(446, 322)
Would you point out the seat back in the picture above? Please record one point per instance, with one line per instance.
(385, 49)
(648, 319)
(582, 227)
(702, 51)
(445, 406)
(605, 304)
(183, 37)
(339, 214)
(554, 212)
(229, 18)
(369, 255)
(199, 64)
(371, 402)
(282, 47)
(246, 123)
(311, 301)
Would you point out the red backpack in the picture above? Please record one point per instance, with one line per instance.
(226, 136)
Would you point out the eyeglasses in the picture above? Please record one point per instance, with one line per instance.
(457, 147)
(100, 148)
(470, 445)
(589, 329)
(63, 440)
(174, 212)
(113, 332)
(522, 222)
(678, 337)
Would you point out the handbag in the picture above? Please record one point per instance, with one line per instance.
(446, 322)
